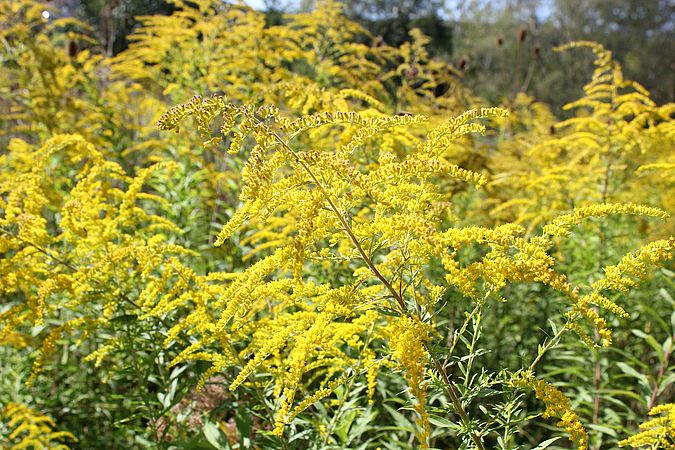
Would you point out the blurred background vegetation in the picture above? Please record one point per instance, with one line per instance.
(502, 47)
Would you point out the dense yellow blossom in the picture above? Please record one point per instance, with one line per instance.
(603, 154)
(387, 219)
(29, 429)
(621, 277)
(657, 433)
(560, 226)
(408, 340)
(68, 230)
(557, 405)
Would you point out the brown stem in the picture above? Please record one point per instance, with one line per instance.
(659, 375)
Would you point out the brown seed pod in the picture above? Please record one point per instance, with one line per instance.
(522, 34)
(461, 64)
(500, 41)
(72, 49)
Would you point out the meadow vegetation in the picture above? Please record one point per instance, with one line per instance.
(240, 235)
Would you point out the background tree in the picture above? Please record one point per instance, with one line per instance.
(640, 33)
(507, 45)
(114, 20)
(393, 20)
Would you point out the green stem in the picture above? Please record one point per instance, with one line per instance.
(451, 390)
(547, 347)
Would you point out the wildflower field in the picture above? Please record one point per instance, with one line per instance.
(242, 235)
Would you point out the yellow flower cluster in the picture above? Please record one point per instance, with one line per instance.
(298, 201)
(355, 221)
(321, 203)
(633, 267)
(408, 338)
(70, 236)
(657, 433)
(28, 428)
(557, 405)
(603, 154)
(621, 277)
(561, 225)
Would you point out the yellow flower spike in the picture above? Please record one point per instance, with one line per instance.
(621, 277)
(408, 339)
(657, 433)
(557, 405)
(30, 429)
(48, 348)
(561, 225)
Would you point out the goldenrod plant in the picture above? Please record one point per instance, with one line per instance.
(384, 225)
(655, 433)
(27, 428)
(242, 235)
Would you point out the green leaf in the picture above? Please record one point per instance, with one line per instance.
(124, 318)
(602, 429)
(401, 422)
(215, 436)
(653, 343)
(546, 443)
(628, 370)
(441, 422)
(244, 422)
